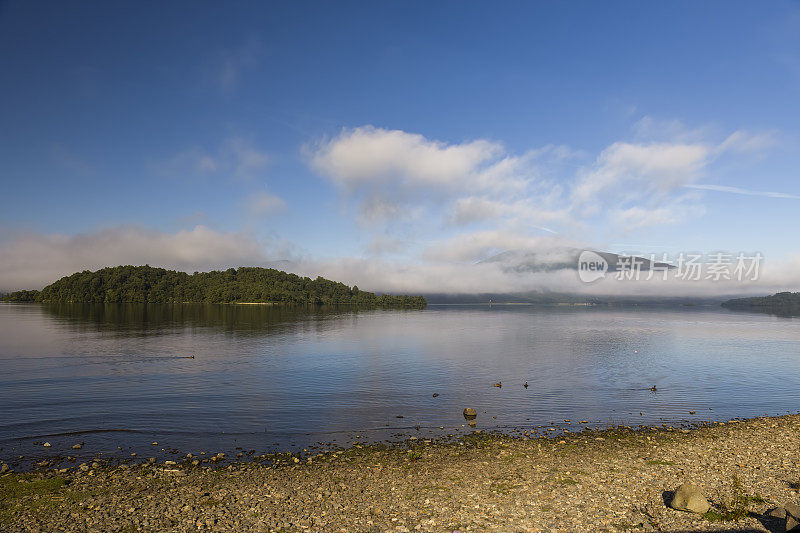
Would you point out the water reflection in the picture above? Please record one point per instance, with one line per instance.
(265, 377)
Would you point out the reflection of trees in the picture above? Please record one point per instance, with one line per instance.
(154, 318)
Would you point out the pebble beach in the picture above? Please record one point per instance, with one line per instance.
(619, 479)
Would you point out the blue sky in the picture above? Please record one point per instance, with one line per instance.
(402, 134)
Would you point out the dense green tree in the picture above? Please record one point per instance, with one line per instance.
(787, 303)
(146, 284)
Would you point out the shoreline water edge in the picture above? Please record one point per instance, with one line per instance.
(615, 479)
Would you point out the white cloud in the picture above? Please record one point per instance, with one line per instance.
(247, 161)
(232, 64)
(641, 169)
(189, 163)
(33, 260)
(738, 190)
(472, 209)
(742, 141)
(479, 245)
(385, 245)
(396, 177)
(637, 217)
(234, 158)
(265, 204)
(529, 211)
(365, 156)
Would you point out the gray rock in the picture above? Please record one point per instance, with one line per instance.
(689, 497)
(792, 516)
(778, 512)
(470, 413)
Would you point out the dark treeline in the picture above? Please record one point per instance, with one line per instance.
(787, 303)
(146, 284)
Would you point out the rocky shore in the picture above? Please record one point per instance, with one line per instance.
(614, 480)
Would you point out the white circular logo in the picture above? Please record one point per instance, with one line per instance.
(591, 266)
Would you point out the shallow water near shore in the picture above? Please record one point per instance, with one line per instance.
(119, 377)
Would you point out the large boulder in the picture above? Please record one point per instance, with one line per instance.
(689, 497)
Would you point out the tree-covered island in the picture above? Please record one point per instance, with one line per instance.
(146, 284)
(782, 303)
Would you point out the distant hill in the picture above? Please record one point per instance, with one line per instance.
(782, 303)
(146, 284)
(564, 258)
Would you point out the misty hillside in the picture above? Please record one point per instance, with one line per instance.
(561, 259)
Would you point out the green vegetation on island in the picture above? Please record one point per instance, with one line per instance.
(782, 303)
(146, 284)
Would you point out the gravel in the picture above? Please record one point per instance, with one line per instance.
(613, 480)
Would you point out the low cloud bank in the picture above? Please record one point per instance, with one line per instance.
(493, 278)
(33, 260)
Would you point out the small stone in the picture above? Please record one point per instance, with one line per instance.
(46, 444)
(689, 497)
(170, 463)
(84, 467)
(472, 423)
(470, 413)
(4, 468)
(77, 446)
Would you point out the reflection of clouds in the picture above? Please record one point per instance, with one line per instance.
(268, 374)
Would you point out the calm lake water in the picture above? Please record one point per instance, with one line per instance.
(272, 379)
